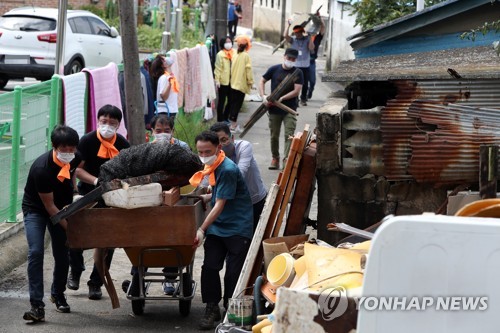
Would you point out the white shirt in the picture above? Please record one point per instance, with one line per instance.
(171, 102)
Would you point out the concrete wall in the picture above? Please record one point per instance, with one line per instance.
(340, 26)
(359, 201)
(6, 5)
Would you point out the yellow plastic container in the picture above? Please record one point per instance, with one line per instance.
(280, 271)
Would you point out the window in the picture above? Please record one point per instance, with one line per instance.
(27, 23)
(98, 27)
(80, 25)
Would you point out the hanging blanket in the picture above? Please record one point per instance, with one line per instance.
(181, 75)
(74, 88)
(192, 96)
(104, 89)
(207, 78)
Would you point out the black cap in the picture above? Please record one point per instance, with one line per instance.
(292, 53)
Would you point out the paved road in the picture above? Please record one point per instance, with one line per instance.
(98, 316)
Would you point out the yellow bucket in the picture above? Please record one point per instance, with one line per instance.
(280, 271)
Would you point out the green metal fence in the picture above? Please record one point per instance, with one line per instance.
(27, 116)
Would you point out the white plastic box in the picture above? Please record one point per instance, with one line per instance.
(148, 195)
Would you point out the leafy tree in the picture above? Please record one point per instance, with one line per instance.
(370, 13)
(484, 29)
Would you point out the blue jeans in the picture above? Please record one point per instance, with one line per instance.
(312, 77)
(34, 227)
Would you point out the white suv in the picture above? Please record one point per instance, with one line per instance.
(28, 43)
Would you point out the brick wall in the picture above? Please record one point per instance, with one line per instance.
(6, 5)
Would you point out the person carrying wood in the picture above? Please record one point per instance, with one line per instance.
(277, 116)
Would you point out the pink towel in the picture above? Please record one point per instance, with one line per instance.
(181, 75)
(74, 87)
(193, 91)
(104, 89)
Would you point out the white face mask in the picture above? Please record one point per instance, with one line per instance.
(209, 160)
(288, 64)
(228, 46)
(162, 137)
(65, 157)
(107, 131)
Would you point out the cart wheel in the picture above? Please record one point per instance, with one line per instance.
(137, 305)
(187, 290)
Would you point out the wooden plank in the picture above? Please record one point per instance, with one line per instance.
(140, 227)
(275, 95)
(282, 181)
(244, 280)
(302, 195)
(291, 179)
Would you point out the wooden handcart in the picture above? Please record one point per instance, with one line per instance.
(160, 236)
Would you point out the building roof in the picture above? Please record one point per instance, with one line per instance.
(413, 21)
(470, 63)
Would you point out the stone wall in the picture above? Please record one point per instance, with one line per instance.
(359, 201)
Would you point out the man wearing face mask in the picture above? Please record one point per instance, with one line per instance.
(241, 80)
(277, 116)
(163, 130)
(48, 189)
(222, 77)
(304, 45)
(228, 226)
(241, 153)
(96, 148)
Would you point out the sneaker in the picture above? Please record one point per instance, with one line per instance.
(37, 313)
(60, 302)
(275, 164)
(212, 315)
(303, 103)
(169, 288)
(236, 130)
(125, 285)
(73, 281)
(95, 292)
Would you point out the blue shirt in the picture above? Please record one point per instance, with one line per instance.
(231, 16)
(237, 216)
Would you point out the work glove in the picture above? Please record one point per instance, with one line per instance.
(200, 236)
(77, 197)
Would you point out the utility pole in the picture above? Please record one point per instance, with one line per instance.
(133, 91)
(217, 18)
(283, 18)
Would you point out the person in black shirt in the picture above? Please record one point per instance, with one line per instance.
(50, 187)
(95, 148)
(276, 74)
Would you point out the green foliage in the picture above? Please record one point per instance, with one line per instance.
(149, 38)
(189, 125)
(94, 9)
(484, 29)
(370, 13)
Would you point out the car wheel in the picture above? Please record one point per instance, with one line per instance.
(74, 67)
(3, 81)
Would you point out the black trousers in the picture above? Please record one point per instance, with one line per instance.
(305, 86)
(222, 106)
(233, 250)
(77, 265)
(231, 28)
(237, 98)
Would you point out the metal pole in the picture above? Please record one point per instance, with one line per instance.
(168, 13)
(61, 34)
(14, 161)
(55, 100)
(283, 17)
(165, 41)
(178, 29)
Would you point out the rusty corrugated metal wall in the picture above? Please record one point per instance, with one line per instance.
(432, 130)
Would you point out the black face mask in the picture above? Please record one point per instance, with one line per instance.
(242, 48)
(229, 149)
